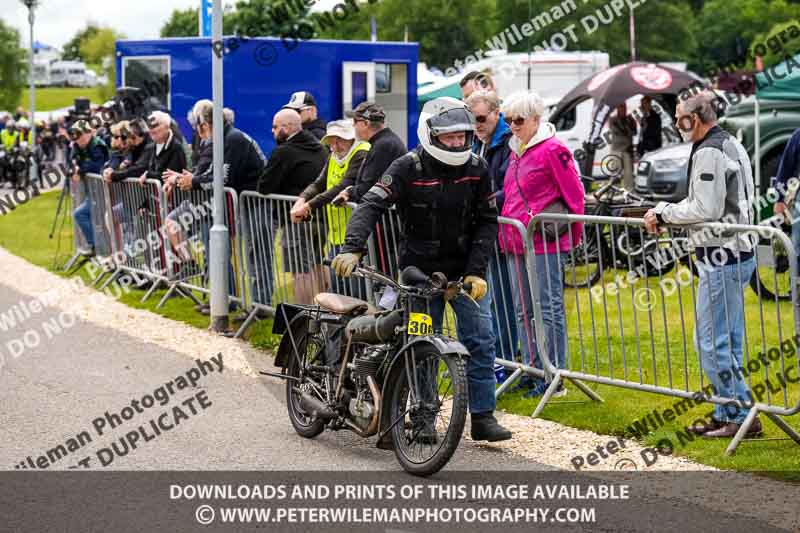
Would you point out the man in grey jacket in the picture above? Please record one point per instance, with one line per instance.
(720, 190)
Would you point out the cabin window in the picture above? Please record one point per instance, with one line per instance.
(151, 75)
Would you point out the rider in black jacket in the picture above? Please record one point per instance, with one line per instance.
(444, 197)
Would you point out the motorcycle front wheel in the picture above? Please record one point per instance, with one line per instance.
(428, 409)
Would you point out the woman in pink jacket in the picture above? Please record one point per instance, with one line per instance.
(541, 174)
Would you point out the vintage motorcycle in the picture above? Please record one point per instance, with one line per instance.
(349, 366)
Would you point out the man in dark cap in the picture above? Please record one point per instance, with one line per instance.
(304, 103)
(369, 121)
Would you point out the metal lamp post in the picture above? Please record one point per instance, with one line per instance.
(31, 5)
(218, 267)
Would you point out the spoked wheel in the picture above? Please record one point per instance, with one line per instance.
(428, 409)
(584, 268)
(310, 351)
(773, 281)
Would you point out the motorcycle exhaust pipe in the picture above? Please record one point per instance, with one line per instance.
(315, 408)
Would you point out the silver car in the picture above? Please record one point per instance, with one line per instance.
(663, 174)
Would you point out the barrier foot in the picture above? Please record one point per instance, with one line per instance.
(547, 394)
(743, 429)
(72, 261)
(172, 288)
(156, 284)
(789, 430)
(187, 293)
(508, 382)
(99, 278)
(586, 390)
(246, 323)
(111, 278)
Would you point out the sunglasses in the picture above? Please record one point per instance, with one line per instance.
(517, 121)
(480, 119)
(119, 137)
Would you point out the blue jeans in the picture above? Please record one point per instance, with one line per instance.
(505, 326)
(550, 292)
(720, 330)
(796, 230)
(83, 217)
(475, 333)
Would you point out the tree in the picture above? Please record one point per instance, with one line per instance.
(72, 50)
(100, 48)
(182, 23)
(780, 41)
(727, 28)
(445, 29)
(663, 30)
(261, 18)
(13, 67)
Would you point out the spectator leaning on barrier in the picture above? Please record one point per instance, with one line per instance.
(304, 103)
(443, 195)
(369, 123)
(168, 153)
(789, 168)
(119, 146)
(88, 155)
(650, 128)
(491, 143)
(243, 159)
(623, 128)
(720, 189)
(295, 162)
(139, 152)
(541, 178)
(347, 156)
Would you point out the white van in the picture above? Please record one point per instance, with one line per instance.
(553, 74)
(68, 73)
(41, 73)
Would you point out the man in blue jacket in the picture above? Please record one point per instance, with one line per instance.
(789, 168)
(88, 155)
(492, 136)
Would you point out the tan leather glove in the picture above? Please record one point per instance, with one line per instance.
(478, 289)
(344, 264)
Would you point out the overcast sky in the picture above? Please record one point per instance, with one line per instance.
(57, 21)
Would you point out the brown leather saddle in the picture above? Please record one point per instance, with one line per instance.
(344, 305)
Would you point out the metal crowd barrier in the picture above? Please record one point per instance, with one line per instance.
(284, 258)
(186, 233)
(77, 193)
(137, 213)
(635, 327)
(90, 190)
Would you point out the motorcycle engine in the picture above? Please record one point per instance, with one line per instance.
(366, 363)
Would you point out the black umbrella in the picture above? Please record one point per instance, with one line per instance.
(615, 85)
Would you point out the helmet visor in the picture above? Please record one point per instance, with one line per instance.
(450, 121)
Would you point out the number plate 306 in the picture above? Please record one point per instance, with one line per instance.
(420, 324)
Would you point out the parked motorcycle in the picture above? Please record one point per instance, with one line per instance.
(349, 366)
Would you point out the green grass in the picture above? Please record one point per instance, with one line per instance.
(24, 233)
(52, 98)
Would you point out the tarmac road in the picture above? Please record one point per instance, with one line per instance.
(54, 392)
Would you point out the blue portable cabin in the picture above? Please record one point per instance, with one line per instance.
(260, 74)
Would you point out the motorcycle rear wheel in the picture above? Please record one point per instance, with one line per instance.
(310, 349)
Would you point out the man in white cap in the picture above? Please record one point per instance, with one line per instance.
(304, 103)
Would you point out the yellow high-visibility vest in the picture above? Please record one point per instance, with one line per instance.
(339, 216)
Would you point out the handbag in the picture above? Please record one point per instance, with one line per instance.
(552, 230)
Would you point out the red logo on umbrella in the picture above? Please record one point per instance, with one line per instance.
(652, 77)
(603, 77)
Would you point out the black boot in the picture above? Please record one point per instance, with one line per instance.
(486, 427)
